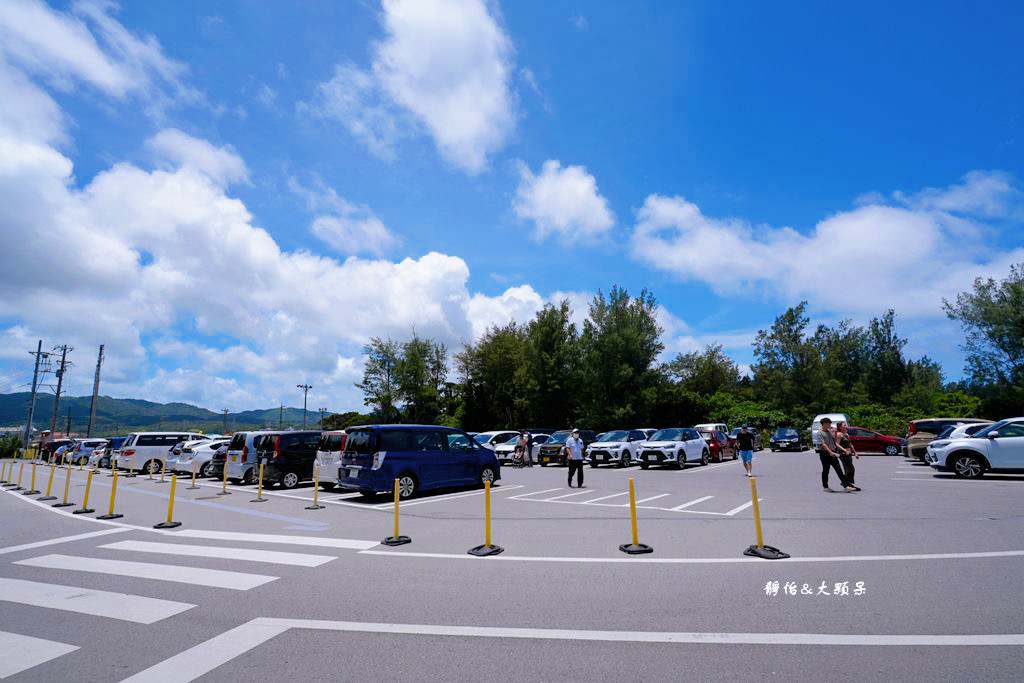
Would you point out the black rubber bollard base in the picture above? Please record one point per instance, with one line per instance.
(166, 525)
(63, 505)
(82, 511)
(224, 493)
(114, 516)
(766, 552)
(192, 488)
(485, 550)
(30, 493)
(259, 500)
(47, 498)
(318, 506)
(398, 540)
(636, 548)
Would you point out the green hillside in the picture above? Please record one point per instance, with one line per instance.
(120, 415)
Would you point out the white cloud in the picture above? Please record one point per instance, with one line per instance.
(564, 202)
(89, 45)
(266, 95)
(348, 228)
(855, 262)
(221, 164)
(443, 66)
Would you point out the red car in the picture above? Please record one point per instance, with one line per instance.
(867, 441)
(720, 445)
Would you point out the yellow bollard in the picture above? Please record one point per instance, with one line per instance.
(316, 492)
(487, 548)
(259, 487)
(21, 471)
(67, 486)
(163, 468)
(761, 550)
(32, 487)
(193, 486)
(150, 468)
(636, 547)
(224, 491)
(113, 494)
(3, 474)
(85, 503)
(49, 484)
(170, 508)
(397, 539)
(131, 469)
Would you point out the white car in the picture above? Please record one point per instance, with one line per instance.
(493, 438)
(960, 431)
(143, 450)
(504, 451)
(174, 460)
(996, 448)
(198, 454)
(674, 447)
(619, 447)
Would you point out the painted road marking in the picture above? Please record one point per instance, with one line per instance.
(743, 507)
(567, 495)
(644, 500)
(594, 500)
(196, 576)
(207, 656)
(247, 554)
(345, 543)
(692, 502)
(134, 608)
(55, 541)
(522, 496)
(451, 496)
(753, 562)
(18, 652)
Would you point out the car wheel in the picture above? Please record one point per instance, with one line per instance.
(248, 477)
(289, 480)
(406, 486)
(624, 460)
(892, 449)
(207, 469)
(543, 463)
(486, 475)
(644, 465)
(680, 461)
(968, 467)
(593, 463)
(705, 457)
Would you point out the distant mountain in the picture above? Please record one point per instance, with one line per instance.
(120, 415)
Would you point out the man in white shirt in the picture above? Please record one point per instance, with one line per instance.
(574, 457)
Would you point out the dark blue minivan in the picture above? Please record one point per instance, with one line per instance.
(420, 457)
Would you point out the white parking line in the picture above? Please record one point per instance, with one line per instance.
(18, 652)
(743, 507)
(522, 496)
(692, 502)
(196, 576)
(55, 541)
(245, 554)
(567, 495)
(97, 603)
(644, 500)
(594, 500)
(346, 543)
(450, 496)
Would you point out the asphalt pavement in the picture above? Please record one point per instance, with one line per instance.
(913, 577)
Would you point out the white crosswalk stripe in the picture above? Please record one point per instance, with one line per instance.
(196, 576)
(247, 554)
(134, 608)
(18, 652)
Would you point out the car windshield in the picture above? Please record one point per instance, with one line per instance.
(784, 432)
(946, 432)
(667, 435)
(992, 428)
(558, 437)
(511, 441)
(614, 435)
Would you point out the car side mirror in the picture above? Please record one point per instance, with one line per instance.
(992, 435)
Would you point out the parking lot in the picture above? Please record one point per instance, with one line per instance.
(912, 577)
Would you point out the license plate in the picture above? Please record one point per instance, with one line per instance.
(652, 458)
(234, 458)
(602, 457)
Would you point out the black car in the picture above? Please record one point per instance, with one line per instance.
(216, 467)
(551, 452)
(288, 457)
(786, 439)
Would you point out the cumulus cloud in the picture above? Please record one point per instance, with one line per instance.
(221, 164)
(443, 67)
(564, 202)
(346, 227)
(861, 261)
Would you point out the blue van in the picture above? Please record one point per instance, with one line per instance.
(420, 457)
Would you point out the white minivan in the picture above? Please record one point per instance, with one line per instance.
(143, 450)
(328, 457)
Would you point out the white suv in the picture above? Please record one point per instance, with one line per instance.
(997, 448)
(675, 446)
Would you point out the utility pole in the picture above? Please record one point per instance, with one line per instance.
(322, 412)
(95, 394)
(225, 411)
(32, 401)
(280, 417)
(305, 390)
(60, 381)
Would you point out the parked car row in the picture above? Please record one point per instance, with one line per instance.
(992, 447)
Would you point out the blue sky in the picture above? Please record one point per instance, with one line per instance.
(234, 196)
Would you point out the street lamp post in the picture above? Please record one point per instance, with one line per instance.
(305, 390)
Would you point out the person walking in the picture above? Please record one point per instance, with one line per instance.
(521, 450)
(848, 454)
(529, 449)
(574, 457)
(745, 441)
(828, 453)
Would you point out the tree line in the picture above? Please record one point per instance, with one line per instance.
(606, 374)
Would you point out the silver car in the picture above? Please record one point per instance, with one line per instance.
(198, 456)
